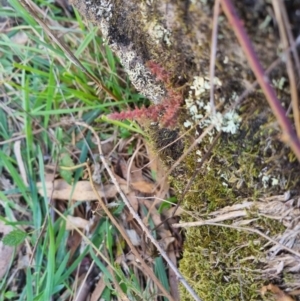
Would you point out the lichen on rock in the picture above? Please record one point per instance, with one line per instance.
(135, 31)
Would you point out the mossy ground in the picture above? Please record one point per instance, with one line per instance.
(224, 263)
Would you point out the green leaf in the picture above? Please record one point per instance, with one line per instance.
(166, 205)
(160, 272)
(66, 160)
(10, 295)
(14, 238)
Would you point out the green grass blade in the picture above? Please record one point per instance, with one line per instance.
(160, 272)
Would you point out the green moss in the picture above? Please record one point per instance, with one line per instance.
(218, 271)
(223, 263)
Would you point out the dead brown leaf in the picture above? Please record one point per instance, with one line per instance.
(169, 213)
(279, 294)
(135, 174)
(100, 286)
(82, 191)
(131, 196)
(155, 164)
(74, 241)
(143, 186)
(76, 221)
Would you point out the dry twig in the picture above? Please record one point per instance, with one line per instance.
(289, 135)
(111, 217)
(214, 41)
(140, 222)
(279, 9)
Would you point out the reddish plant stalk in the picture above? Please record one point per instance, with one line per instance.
(167, 111)
(289, 136)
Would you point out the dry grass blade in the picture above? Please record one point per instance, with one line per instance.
(114, 221)
(141, 224)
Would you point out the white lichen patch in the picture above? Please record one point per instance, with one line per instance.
(159, 33)
(156, 31)
(199, 154)
(104, 9)
(134, 64)
(279, 83)
(202, 84)
(275, 182)
(187, 124)
(267, 179)
(230, 122)
(201, 112)
(141, 77)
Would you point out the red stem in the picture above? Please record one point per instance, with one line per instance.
(289, 134)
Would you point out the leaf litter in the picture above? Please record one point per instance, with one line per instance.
(135, 177)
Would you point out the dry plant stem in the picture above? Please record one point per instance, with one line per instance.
(214, 41)
(197, 141)
(27, 5)
(121, 230)
(292, 42)
(208, 223)
(116, 283)
(289, 65)
(289, 135)
(140, 222)
(78, 293)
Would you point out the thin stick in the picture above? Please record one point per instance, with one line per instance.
(214, 41)
(207, 223)
(112, 218)
(289, 65)
(292, 41)
(289, 135)
(137, 218)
